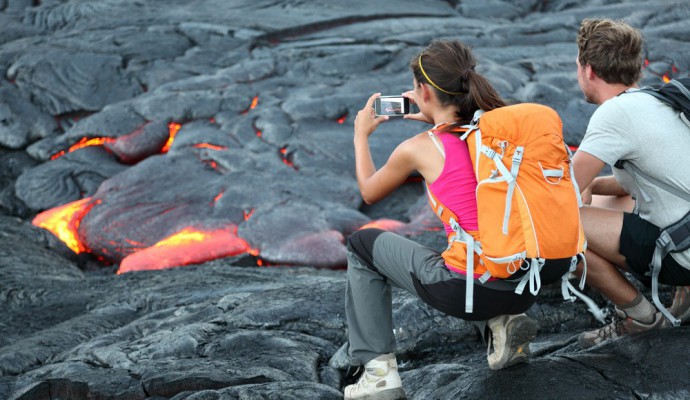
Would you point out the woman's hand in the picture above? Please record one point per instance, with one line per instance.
(366, 121)
(417, 116)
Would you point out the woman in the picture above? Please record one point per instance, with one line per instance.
(447, 91)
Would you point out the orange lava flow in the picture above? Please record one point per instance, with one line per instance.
(248, 214)
(189, 246)
(255, 101)
(341, 120)
(64, 222)
(84, 142)
(209, 146)
(173, 128)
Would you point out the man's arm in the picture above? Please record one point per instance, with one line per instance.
(587, 167)
(607, 186)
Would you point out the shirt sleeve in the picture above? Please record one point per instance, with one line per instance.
(607, 137)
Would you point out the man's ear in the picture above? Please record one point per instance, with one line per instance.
(589, 72)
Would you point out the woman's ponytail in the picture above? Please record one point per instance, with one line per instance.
(483, 93)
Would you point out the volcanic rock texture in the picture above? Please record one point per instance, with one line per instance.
(233, 120)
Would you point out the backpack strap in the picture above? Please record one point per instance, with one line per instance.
(675, 93)
(436, 143)
(635, 171)
(473, 246)
(572, 177)
(449, 217)
(672, 239)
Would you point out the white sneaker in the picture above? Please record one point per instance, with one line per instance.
(380, 381)
(510, 338)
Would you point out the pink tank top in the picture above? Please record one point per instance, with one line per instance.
(456, 186)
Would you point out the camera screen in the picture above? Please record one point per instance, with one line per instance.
(392, 106)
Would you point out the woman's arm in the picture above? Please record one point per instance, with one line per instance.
(375, 185)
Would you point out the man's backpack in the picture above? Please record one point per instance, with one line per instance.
(676, 237)
(676, 94)
(527, 198)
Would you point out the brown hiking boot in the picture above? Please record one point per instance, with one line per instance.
(620, 326)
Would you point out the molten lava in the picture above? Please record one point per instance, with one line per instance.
(286, 158)
(254, 103)
(248, 214)
(64, 222)
(84, 142)
(173, 128)
(209, 146)
(189, 246)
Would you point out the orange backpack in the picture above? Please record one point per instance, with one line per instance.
(527, 199)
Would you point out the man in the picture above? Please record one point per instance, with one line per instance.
(645, 132)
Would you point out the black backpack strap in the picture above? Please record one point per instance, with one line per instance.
(673, 239)
(634, 170)
(675, 93)
(684, 88)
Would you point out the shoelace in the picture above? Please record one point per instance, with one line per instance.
(353, 374)
(616, 327)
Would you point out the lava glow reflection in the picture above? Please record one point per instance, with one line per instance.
(384, 224)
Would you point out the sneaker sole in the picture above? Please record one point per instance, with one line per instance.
(391, 394)
(584, 342)
(521, 330)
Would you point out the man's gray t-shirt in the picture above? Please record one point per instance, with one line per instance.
(651, 135)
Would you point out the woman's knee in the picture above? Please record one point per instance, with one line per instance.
(362, 242)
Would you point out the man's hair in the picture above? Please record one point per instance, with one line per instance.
(612, 48)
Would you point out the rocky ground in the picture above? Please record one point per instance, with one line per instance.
(264, 94)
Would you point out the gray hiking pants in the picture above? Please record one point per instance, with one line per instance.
(379, 260)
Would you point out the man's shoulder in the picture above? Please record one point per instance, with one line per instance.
(629, 107)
